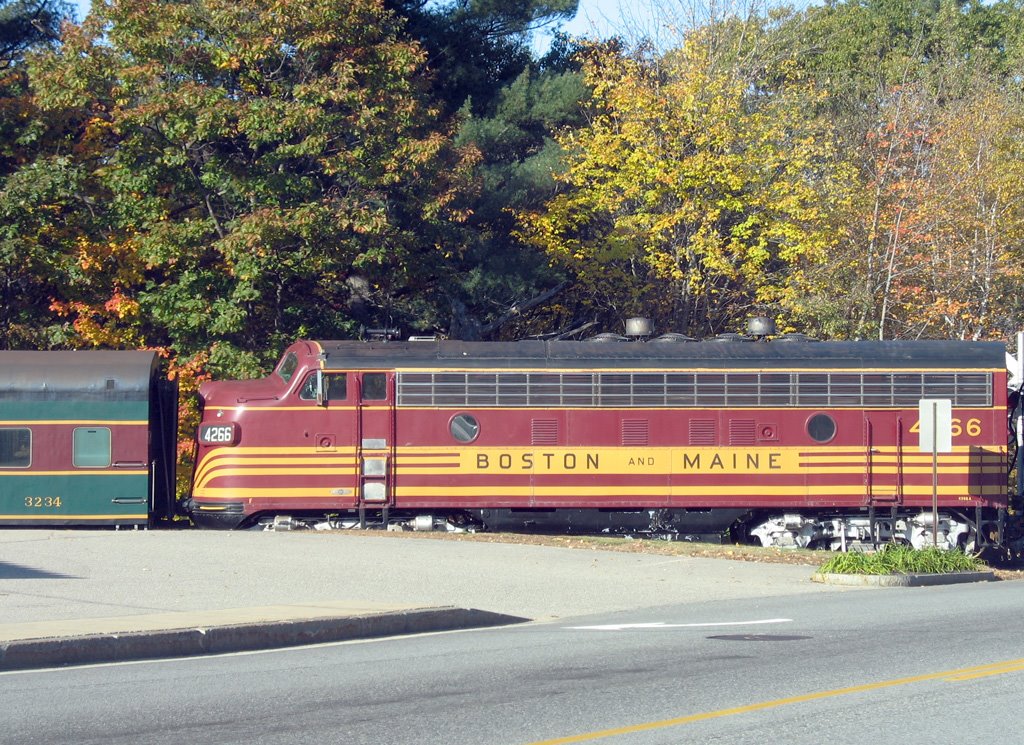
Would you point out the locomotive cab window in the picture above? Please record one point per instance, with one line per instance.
(91, 447)
(287, 367)
(375, 386)
(335, 387)
(821, 427)
(15, 447)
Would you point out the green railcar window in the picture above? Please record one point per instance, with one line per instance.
(15, 447)
(91, 447)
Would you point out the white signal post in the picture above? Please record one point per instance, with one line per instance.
(936, 436)
(1015, 366)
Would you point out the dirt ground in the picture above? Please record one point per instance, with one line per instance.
(663, 547)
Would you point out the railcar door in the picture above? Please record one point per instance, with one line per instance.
(375, 440)
(329, 417)
(883, 458)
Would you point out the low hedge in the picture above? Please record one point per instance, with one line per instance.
(899, 559)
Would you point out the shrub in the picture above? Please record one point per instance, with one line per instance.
(899, 559)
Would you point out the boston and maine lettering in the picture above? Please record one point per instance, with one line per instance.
(725, 460)
(732, 461)
(642, 460)
(538, 461)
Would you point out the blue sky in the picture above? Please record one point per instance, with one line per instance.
(605, 17)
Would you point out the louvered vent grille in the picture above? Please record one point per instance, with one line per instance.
(634, 432)
(742, 432)
(544, 432)
(702, 432)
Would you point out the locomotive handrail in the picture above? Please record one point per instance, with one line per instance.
(357, 388)
(866, 434)
(899, 460)
(389, 476)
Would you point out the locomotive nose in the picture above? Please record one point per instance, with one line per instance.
(214, 393)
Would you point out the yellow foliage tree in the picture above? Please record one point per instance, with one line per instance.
(703, 187)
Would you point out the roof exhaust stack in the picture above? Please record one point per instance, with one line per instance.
(761, 326)
(379, 334)
(638, 328)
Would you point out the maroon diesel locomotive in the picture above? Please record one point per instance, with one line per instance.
(783, 442)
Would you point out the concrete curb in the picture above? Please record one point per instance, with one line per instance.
(903, 580)
(20, 654)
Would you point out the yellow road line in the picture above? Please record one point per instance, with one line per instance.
(1009, 667)
(967, 673)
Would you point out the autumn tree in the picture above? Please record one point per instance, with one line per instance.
(31, 240)
(882, 228)
(700, 191)
(900, 74)
(963, 279)
(259, 169)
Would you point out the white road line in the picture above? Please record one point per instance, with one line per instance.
(663, 625)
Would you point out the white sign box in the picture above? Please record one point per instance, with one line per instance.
(935, 417)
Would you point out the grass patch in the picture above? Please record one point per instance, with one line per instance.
(899, 559)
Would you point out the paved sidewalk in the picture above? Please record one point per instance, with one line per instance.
(72, 597)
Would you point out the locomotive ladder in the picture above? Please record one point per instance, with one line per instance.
(892, 496)
(361, 473)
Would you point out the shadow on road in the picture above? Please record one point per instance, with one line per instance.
(17, 571)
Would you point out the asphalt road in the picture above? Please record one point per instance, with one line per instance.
(930, 665)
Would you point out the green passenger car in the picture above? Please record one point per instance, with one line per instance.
(86, 438)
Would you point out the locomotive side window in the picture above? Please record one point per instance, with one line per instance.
(464, 427)
(702, 390)
(15, 447)
(91, 447)
(821, 427)
(335, 387)
(775, 389)
(375, 386)
(287, 367)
